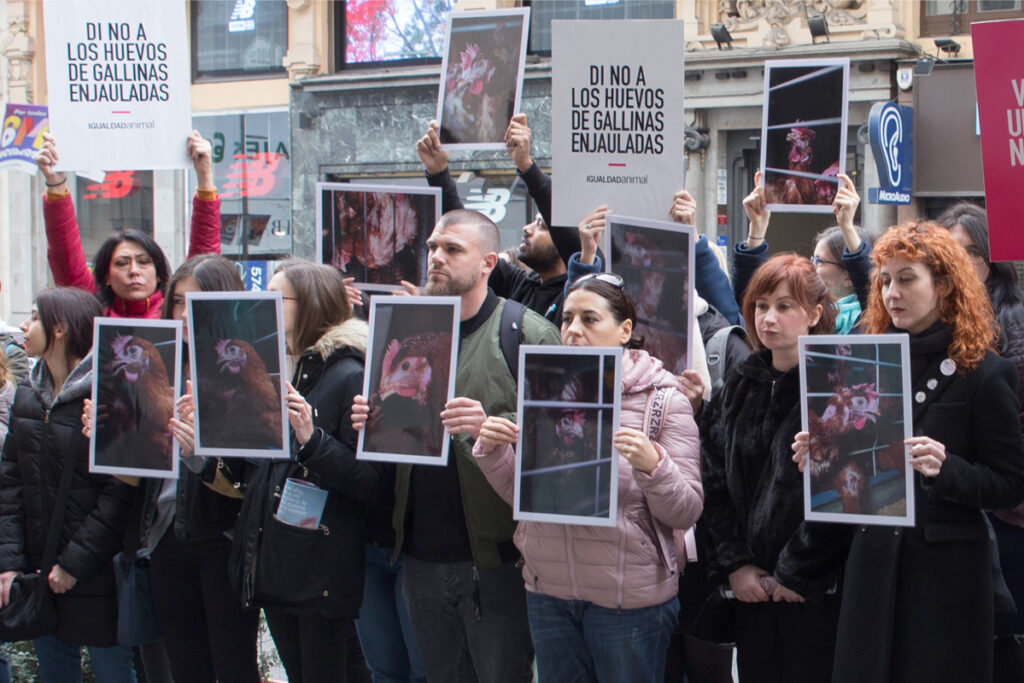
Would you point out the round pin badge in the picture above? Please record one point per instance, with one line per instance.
(947, 367)
(932, 383)
(920, 397)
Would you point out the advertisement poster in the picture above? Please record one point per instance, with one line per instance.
(616, 117)
(999, 79)
(118, 83)
(22, 136)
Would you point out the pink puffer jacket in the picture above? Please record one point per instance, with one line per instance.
(633, 564)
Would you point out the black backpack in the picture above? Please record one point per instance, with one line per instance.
(510, 333)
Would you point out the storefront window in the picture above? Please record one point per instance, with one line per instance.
(375, 31)
(122, 200)
(232, 38)
(542, 12)
(252, 170)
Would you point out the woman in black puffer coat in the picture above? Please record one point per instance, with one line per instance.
(45, 437)
(310, 581)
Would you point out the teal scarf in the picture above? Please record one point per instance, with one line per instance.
(848, 313)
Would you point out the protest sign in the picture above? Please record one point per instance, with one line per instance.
(22, 137)
(999, 79)
(118, 83)
(616, 117)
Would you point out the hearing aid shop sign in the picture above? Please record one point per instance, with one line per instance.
(890, 127)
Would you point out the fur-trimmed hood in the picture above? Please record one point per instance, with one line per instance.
(353, 333)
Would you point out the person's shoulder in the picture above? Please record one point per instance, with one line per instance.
(538, 330)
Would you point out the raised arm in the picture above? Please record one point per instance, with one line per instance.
(204, 236)
(435, 163)
(64, 250)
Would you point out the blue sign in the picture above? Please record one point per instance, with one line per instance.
(890, 128)
(255, 274)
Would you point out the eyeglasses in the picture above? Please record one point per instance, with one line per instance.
(610, 278)
(816, 261)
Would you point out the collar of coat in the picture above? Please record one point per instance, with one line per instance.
(77, 385)
(353, 334)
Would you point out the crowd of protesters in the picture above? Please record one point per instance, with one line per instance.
(424, 574)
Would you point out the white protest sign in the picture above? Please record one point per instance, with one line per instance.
(616, 117)
(118, 83)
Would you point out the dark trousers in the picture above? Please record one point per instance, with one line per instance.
(207, 634)
(780, 642)
(315, 649)
(469, 628)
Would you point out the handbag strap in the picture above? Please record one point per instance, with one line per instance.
(57, 515)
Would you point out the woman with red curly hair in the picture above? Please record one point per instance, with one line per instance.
(918, 602)
(785, 621)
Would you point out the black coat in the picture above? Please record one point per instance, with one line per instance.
(304, 570)
(753, 491)
(917, 603)
(45, 435)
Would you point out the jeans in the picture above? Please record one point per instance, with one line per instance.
(60, 662)
(577, 641)
(385, 632)
(470, 625)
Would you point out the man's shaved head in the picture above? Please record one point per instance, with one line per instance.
(487, 236)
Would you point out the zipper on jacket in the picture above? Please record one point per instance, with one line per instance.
(46, 417)
(477, 610)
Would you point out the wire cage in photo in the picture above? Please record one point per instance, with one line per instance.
(803, 133)
(856, 408)
(566, 466)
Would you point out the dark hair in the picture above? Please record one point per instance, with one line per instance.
(620, 304)
(212, 272)
(1003, 284)
(101, 264)
(805, 286)
(835, 243)
(320, 297)
(75, 309)
(487, 233)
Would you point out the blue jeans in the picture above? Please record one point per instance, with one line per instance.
(60, 662)
(385, 631)
(577, 641)
(470, 625)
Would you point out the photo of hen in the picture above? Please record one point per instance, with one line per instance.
(239, 403)
(480, 80)
(237, 359)
(855, 444)
(803, 136)
(377, 237)
(564, 465)
(653, 264)
(412, 391)
(134, 400)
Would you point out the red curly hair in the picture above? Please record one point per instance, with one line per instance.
(964, 305)
(805, 286)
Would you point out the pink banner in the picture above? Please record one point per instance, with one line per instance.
(999, 78)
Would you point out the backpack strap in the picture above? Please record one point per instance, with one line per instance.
(510, 333)
(716, 350)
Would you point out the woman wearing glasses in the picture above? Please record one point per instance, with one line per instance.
(602, 601)
(753, 512)
(968, 224)
(842, 253)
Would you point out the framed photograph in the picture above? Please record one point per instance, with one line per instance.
(656, 260)
(481, 76)
(803, 132)
(135, 382)
(855, 402)
(567, 471)
(237, 363)
(376, 233)
(410, 376)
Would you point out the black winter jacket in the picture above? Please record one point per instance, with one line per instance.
(45, 435)
(753, 491)
(301, 570)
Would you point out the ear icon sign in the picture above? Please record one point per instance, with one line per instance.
(891, 130)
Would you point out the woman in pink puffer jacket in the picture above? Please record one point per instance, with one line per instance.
(602, 600)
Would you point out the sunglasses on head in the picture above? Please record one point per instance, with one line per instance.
(609, 278)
